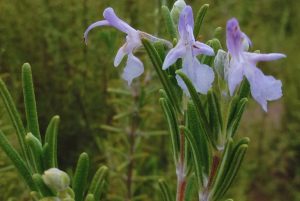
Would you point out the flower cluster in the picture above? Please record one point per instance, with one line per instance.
(239, 63)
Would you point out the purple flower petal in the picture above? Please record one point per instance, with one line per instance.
(234, 38)
(119, 56)
(201, 48)
(263, 88)
(185, 19)
(116, 22)
(96, 24)
(201, 75)
(134, 68)
(256, 57)
(177, 52)
(235, 75)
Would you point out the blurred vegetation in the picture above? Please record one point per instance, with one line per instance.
(79, 83)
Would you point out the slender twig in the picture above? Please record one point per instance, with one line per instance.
(215, 163)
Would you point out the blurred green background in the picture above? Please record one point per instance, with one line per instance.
(98, 109)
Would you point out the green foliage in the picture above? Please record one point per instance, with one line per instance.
(49, 35)
(54, 182)
(50, 144)
(165, 191)
(81, 176)
(199, 19)
(133, 172)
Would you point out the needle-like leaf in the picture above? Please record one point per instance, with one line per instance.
(81, 176)
(29, 101)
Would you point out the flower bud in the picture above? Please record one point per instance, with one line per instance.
(56, 179)
(176, 10)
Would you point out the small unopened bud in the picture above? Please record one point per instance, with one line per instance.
(221, 64)
(56, 179)
(176, 10)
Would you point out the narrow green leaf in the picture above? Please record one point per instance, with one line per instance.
(196, 156)
(165, 191)
(167, 84)
(173, 126)
(41, 186)
(170, 25)
(98, 181)
(29, 101)
(225, 173)
(196, 100)
(119, 91)
(191, 188)
(6, 168)
(244, 90)
(244, 140)
(36, 151)
(17, 161)
(235, 165)
(111, 128)
(160, 48)
(81, 176)
(16, 120)
(223, 167)
(199, 19)
(46, 160)
(215, 118)
(240, 108)
(218, 32)
(232, 109)
(193, 124)
(164, 95)
(50, 152)
(122, 115)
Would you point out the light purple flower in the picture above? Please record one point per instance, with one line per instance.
(187, 49)
(242, 63)
(134, 67)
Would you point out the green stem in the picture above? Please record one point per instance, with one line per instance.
(204, 196)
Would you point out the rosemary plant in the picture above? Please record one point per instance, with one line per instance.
(37, 160)
(205, 92)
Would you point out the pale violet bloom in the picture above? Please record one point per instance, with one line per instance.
(242, 63)
(187, 49)
(134, 67)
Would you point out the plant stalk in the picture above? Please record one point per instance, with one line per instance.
(204, 196)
